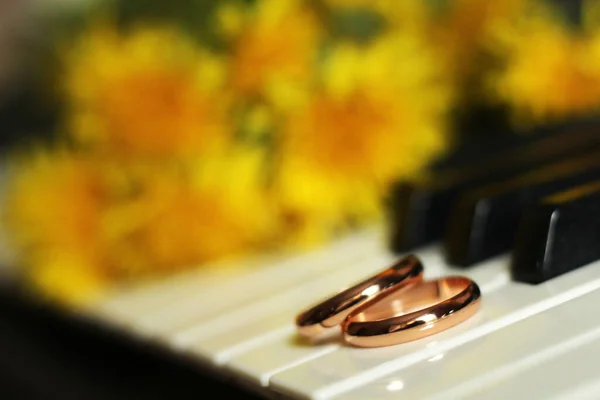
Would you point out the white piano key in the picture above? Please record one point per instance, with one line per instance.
(291, 300)
(259, 364)
(250, 325)
(568, 371)
(217, 344)
(589, 391)
(141, 297)
(219, 348)
(349, 368)
(249, 275)
(209, 301)
(453, 374)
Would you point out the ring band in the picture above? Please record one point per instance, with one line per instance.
(402, 316)
(331, 312)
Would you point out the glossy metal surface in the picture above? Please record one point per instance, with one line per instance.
(403, 316)
(329, 313)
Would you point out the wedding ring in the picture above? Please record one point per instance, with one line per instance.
(331, 312)
(399, 316)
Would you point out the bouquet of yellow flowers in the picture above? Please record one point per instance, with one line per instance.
(260, 125)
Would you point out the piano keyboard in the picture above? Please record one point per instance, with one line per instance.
(527, 340)
(243, 327)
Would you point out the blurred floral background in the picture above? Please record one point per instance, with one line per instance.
(177, 134)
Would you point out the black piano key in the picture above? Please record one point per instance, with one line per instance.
(418, 210)
(483, 221)
(483, 141)
(557, 235)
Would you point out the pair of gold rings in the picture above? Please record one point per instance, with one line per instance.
(393, 306)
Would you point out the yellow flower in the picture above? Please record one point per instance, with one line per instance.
(549, 73)
(149, 92)
(379, 117)
(54, 200)
(52, 215)
(465, 28)
(274, 52)
(81, 226)
(217, 209)
(68, 280)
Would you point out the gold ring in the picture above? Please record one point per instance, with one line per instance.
(331, 312)
(399, 316)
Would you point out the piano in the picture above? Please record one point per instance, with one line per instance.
(521, 217)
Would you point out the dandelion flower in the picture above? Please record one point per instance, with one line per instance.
(379, 117)
(52, 215)
(68, 280)
(149, 92)
(274, 53)
(463, 30)
(216, 209)
(566, 85)
(80, 226)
